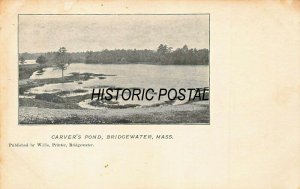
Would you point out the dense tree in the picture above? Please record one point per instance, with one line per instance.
(41, 60)
(163, 55)
(62, 60)
(21, 59)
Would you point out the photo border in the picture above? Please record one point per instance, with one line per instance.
(119, 124)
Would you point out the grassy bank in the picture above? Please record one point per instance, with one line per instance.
(67, 79)
(26, 70)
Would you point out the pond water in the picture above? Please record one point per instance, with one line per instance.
(29, 62)
(125, 76)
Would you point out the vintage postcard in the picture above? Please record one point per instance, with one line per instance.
(165, 94)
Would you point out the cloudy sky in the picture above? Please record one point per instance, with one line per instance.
(44, 33)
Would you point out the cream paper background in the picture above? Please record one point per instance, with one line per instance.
(252, 142)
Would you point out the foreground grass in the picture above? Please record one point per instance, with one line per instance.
(189, 113)
(29, 102)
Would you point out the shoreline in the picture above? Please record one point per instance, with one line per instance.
(26, 70)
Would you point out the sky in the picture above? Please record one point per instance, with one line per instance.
(45, 33)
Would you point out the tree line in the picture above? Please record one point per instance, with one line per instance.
(163, 55)
(60, 59)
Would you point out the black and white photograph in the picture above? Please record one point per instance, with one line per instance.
(114, 69)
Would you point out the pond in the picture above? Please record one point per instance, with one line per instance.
(123, 76)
